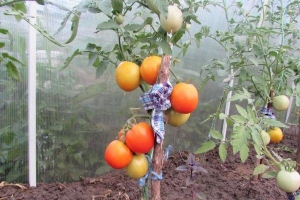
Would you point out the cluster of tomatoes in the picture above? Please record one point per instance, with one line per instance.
(275, 134)
(184, 97)
(129, 150)
(134, 142)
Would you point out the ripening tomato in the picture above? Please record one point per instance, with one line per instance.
(184, 98)
(138, 166)
(128, 76)
(149, 69)
(117, 154)
(276, 134)
(288, 181)
(176, 119)
(281, 102)
(140, 139)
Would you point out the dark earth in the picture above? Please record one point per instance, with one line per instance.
(230, 180)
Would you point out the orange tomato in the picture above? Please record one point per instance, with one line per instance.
(276, 134)
(117, 154)
(128, 76)
(149, 69)
(184, 98)
(140, 139)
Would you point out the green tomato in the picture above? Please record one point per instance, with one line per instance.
(265, 137)
(174, 20)
(119, 19)
(175, 118)
(281, 103)
(288, 181)
(137, 167)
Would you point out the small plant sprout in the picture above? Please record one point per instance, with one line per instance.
(193, 167)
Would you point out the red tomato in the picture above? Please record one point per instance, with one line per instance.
(140, 139)
(117, 154)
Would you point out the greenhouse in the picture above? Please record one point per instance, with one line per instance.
(150, 99)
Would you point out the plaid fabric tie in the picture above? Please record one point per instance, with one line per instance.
(268, 113)
(157, 99)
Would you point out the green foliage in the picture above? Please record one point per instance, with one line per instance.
(136, 40)
(261, 56)
(9, 61)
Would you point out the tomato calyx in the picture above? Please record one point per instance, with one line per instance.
(288, 165)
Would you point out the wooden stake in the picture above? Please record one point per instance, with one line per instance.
(158, 154)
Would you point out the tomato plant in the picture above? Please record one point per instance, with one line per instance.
(137, 167)
(184, 98)
(140, 139)
(176, 119)
(117, 154)
(281, 103)
(288, 181)
(128, 76)
(149, 69)
(276, 134)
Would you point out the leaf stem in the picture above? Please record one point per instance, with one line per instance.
(12, 2)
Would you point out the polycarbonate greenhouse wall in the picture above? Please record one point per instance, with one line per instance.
(77, 114)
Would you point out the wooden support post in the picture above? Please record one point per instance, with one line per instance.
(158, 154)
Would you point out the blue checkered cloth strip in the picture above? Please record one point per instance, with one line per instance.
(157, 99)
(268, 113)
(294, 195)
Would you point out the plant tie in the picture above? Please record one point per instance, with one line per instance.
(151, 174)
(157, 99)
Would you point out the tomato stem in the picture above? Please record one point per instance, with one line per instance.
(176, 77)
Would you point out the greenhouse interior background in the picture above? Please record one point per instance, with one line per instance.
(80, 109)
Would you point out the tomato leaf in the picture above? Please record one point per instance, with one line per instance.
(244, 153)
(242, 111)
(70, 58)
(162, 6)
(12, 71)
(74, 27)
(216, 134)
(117, 5)
(111, 24)
(207, 146)
(238, 119)
(273, 122)
(259, 169)
(223, 151)
(256, 136)
(271, 174)
(165, 47)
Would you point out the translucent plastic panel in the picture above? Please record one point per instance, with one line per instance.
(13, 102)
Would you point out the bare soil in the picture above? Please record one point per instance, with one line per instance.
(229, 180)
